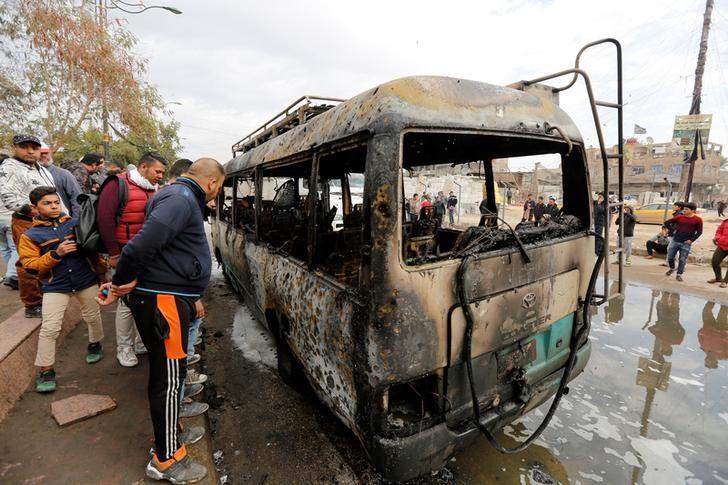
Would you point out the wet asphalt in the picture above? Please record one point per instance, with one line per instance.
(651, 406)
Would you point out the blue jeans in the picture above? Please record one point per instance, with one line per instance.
(192, 336)
(674, 248)
(194, 328)
(7, 248)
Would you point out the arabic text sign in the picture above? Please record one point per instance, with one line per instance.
(685, 126)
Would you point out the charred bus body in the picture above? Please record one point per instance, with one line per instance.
(368, 306)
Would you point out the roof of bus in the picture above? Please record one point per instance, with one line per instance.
(417, 102)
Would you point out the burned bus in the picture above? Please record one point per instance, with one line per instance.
(418, 335)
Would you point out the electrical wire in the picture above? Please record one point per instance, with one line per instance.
(576, 337)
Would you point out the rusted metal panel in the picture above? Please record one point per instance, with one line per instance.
(410, 102)
(318, 316)
(509, 316)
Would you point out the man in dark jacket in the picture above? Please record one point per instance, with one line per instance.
(599, 211)
(452, 203)
(66, 183)
(552, 210)
(629, 222)
(84, 169)
(162, 271)
(538, 210)
(528, 206)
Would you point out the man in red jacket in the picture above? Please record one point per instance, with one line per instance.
(119, 216)
(687, 228)
(721, 251)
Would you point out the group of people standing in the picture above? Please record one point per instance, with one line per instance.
(675, 239)
(535, 210)
(441, 204)
(154, 241)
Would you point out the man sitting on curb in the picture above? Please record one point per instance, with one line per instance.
(687, 229)
(49, 250)
(657, 243)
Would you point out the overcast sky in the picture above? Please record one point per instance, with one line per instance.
(233, 64)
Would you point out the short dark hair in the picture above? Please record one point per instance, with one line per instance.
(179, 167)
(152, 157)
(92, 159)
(690, 205)
(39, 192)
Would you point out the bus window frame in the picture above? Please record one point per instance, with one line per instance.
(296, 159)
(247, 174)
(444, 263)
(360, 139)
(221, 202)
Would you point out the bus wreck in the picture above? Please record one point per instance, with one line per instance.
(417, 336)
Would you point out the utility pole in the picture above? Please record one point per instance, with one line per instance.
(697, 92)
(105, 138)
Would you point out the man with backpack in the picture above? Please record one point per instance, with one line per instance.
(120, 212)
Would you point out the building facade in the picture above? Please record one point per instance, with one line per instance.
(653, 167)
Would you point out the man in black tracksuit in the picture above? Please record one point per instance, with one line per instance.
(162, 271)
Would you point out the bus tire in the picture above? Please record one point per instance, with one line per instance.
(290, 369)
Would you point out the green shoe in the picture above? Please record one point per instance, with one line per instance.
(95, 353)
(46, 381)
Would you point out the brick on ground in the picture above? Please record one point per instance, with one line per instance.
(79, 407)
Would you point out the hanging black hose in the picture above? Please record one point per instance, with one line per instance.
(576, 338)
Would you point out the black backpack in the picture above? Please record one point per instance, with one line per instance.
(88, 237)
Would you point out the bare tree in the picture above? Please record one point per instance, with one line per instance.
(61, 67)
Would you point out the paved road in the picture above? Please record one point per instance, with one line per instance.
(648, 409)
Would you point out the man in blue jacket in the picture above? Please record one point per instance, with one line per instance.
(162, 271)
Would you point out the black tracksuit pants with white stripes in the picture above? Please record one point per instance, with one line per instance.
(163, 324)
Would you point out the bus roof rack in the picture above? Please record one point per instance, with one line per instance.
(297, 113)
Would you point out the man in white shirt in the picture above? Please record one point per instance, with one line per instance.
(20, 174)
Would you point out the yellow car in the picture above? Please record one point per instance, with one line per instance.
(652, 213)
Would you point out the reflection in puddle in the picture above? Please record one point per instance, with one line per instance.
(649, 408)
(254, 340)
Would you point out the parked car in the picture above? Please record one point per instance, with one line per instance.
(653, 213)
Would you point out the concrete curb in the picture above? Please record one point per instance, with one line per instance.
(202, 451)
(18, 345)
(692, 259)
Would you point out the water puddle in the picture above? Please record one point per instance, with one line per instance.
(649, 408)
(253, 340)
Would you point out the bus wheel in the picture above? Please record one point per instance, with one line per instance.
(290, 369)
(225, 274)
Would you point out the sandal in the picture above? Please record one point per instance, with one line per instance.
(713, 280)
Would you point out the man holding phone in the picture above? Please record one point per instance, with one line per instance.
(48, 249)
(162, 271)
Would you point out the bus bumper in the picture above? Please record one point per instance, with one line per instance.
(407, 457)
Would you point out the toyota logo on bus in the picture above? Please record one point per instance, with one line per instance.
(529, 300)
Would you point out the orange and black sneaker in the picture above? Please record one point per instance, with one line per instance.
(180, 469)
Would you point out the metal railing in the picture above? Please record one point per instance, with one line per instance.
(297, 113)
(619, 156)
